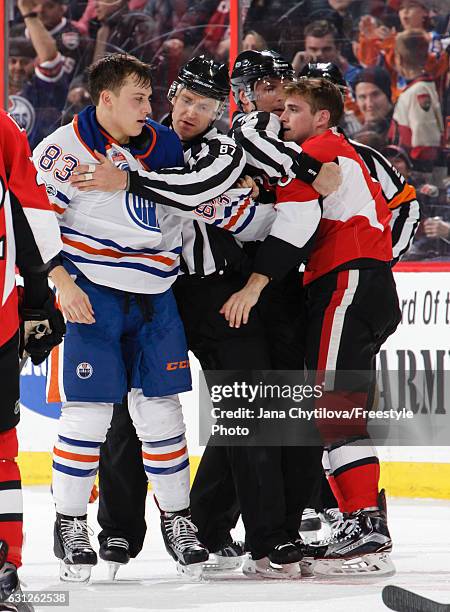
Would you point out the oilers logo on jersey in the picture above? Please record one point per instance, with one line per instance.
(142, 212)
(84, 370)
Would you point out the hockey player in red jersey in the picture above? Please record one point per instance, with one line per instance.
(29, 238)
(352, 307)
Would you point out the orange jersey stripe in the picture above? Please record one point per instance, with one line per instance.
(77, 132)
(53, 388)
(164, 456)
(407, 194)
(58, 209)
(239, 213)
(75, 456)
(111, 253)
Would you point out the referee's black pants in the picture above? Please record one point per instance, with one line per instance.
(264, 483)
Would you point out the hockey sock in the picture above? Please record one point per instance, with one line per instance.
(166, 463)
(75, 466)
(11, 516)
(355, 472)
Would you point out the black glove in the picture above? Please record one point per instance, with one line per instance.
(41, 330)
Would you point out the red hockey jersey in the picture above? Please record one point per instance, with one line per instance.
(350, 224)
(21, 196)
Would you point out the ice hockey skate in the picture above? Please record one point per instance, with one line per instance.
(115, 551)
(228, 557)
(281, 563)
(331, 517)
(72, 546)
(310, 525)
(360, 546)
(179, 534)
(10, 585)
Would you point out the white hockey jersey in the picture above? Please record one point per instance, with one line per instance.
(119, 239)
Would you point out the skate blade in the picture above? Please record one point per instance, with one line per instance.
(75, 572)
(193, 571)
(217, 563)
(375, 565)
(113, 568)
(264, 568)
(309, 536)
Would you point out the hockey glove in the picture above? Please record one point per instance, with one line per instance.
(41, 330)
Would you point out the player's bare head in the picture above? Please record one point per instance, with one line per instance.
(113, 72)
(120, 87)
(311, 107)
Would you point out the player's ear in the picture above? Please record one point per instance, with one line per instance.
(244, 100)
(324, 118)
(105, 97)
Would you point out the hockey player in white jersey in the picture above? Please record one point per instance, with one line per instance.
(124, 330)
(113, 281)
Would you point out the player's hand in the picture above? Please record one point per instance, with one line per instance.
(435, 227)
(103, 176)
(236, 309)
(75, 303)
(246, 182)
(329, 179)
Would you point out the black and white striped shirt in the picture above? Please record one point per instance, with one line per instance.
(259, 134)
(400, 196)
(213, 164)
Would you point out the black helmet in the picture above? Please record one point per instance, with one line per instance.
(253, 65)
(203, 76)
(324, 70)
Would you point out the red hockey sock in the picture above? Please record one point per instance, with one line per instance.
(357, 487)
(10, 497)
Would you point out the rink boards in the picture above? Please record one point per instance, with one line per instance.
(421, 339)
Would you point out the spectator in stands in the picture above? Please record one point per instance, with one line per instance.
(373, 98)
(322, 45)
(400, 159)
(116, 29)
(76, 51)
(370, 138)
(435, 227)
(417, 125)
(253, 42)
(281, 23)
(377, 44)
(38, 88)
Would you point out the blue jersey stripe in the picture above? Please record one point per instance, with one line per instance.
(167, 442)
(170, 470)
(124, 264)
(71, 471)
(83, 443)
(249, 217)
(62, 197)
(111, 243)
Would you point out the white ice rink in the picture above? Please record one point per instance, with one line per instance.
(420, 529)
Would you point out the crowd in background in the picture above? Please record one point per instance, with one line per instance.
(393, 54)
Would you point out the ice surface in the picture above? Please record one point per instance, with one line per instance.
(420, 529)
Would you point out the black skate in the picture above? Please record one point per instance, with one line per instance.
(230, 556)
(11, 596)
(71, 544)
(360, 546)
(179, 534)
(310, 525)
(115, 551)
(282, 563)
